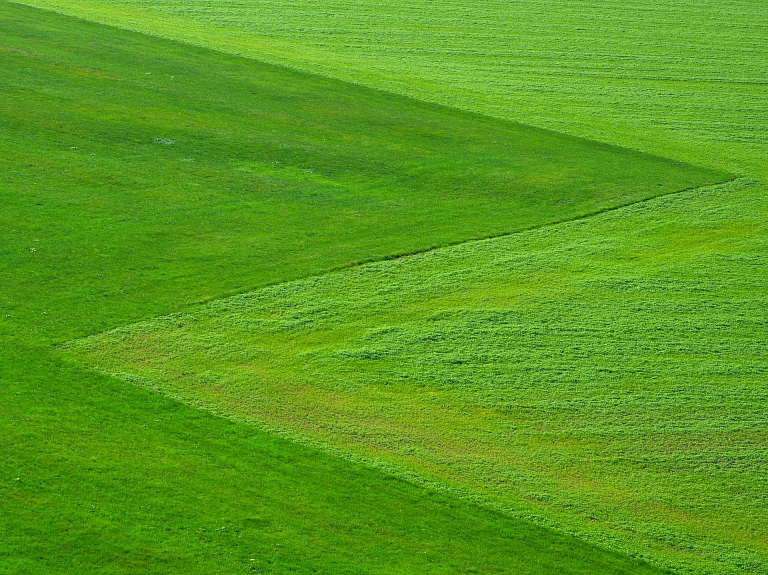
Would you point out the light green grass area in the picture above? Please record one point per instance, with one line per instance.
(606, 375)
(171, 196)
(683, 78)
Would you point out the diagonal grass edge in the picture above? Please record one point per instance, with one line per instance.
(395, 94)
(738, 180)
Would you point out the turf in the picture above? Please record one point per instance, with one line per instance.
(681, 78)
(139, 175)
(102, 477)
(607, 375)
(191, 174)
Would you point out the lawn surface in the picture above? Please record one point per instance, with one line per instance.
(682, 78)
(139, 175)
(606, 374)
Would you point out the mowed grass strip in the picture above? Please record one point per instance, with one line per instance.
(607, 376)
(139, 175)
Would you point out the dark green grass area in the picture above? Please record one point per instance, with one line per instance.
(137, 176)
(197, 173)
(607, 375)
(99, 476)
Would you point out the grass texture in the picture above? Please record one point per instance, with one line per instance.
(605, 375)
(99, 476)
(681, 78)
(138, 175)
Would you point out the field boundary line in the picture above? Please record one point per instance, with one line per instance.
(742, 180)
(738, 180)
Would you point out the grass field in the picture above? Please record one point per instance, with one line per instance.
(191, 174)
(139, 175)
(607, 374)
(579, 396)
(682, 78)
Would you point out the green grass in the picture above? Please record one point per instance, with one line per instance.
(126, 195)
(99, 476)
(682, 78)
(605, 375)
(272, 175)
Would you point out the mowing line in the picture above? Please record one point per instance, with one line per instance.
(743, 180)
